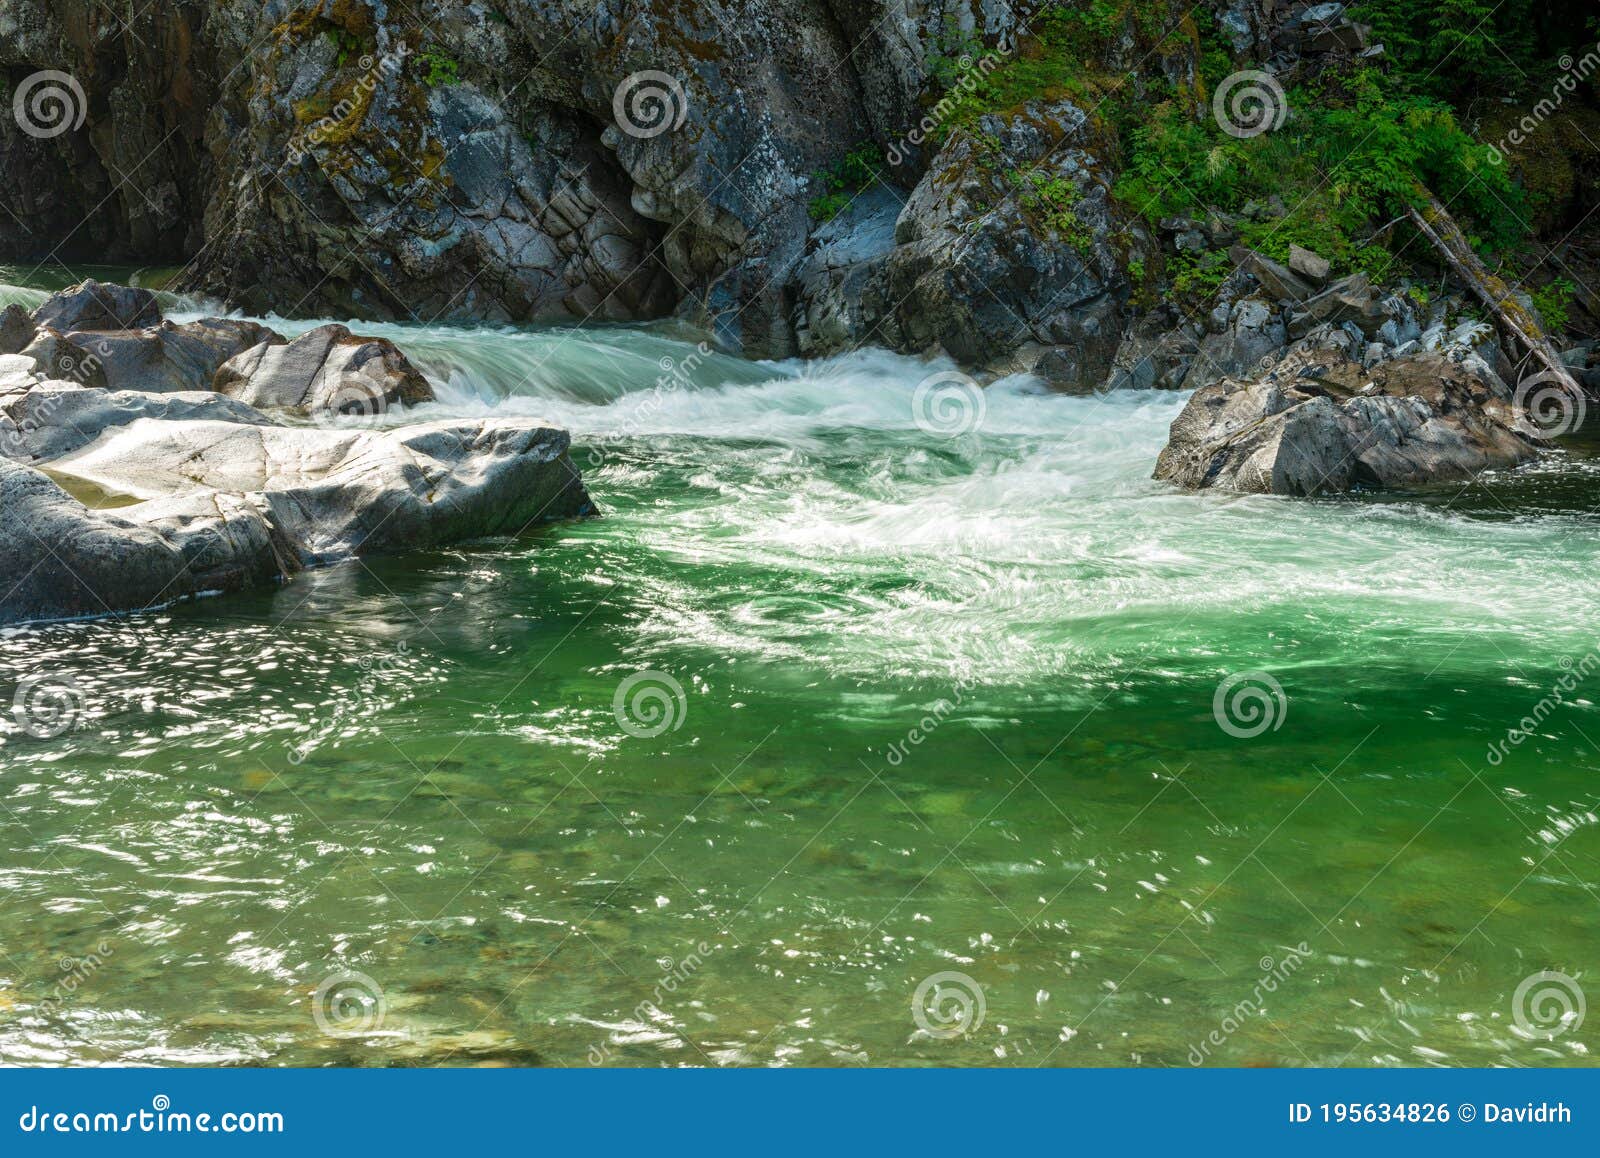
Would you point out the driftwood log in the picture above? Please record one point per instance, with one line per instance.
(1434, 222)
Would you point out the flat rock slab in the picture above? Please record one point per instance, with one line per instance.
(227, 506)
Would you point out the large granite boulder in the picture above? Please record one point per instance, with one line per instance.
(63, 560)
(328, 370)
(218, 506)
(1319, 422)
(158, 358)
(1005, 256)
(338, 493)
(92, 305)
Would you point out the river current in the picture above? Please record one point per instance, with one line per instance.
(840, 737)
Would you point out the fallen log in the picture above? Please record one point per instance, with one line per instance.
(1434, 222)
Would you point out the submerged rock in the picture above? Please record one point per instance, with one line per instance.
(1320, 422)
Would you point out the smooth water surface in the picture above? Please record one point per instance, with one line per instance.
(947, 708)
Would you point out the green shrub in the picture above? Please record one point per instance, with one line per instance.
(439, 68)
(1554, 303)
(840, 185)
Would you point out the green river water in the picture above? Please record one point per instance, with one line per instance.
(947, 707)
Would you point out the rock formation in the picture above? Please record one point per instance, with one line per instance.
(122, 499)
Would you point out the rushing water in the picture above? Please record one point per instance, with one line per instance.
(947, 707)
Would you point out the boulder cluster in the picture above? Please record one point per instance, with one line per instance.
(143, 461)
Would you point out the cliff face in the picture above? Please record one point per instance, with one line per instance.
(567, 159)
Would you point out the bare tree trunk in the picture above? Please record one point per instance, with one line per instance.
(1434, 222)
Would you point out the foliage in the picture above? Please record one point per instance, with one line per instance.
(859, 168)
(439, 68)
(1343, 161)
(1459, 49)
(1053, 199)
(347, 45)
(1554, 302)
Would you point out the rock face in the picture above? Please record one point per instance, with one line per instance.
(1001, 257)
(119, 500)
(1319, 422)
(328, 370)
(361, 158)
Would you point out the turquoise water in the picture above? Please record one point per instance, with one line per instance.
(892, 705)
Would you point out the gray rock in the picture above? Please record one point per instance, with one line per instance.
(1155, 354)
(16, 329)
(158, 359)
(1253, 332)
(337, 493)
(1348, 301)
(848, 253)
(63, 560)
(227, 506)
(1003, 254)
(1311, 266)
(92, 305)
(1322, 423)
(56, 418)
(328, 370)
(1280, 282)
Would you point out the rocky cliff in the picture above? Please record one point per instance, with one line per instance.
(566, 159)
